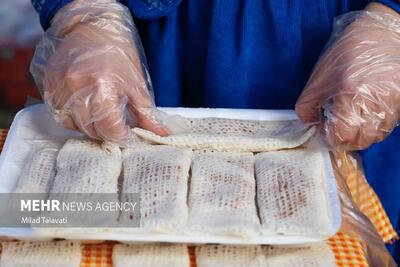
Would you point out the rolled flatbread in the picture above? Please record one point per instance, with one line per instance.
(40, 254)
(291, 191)
(160, 175)
(150, 256)
(229, 256)
(38, 174)
(222, 193)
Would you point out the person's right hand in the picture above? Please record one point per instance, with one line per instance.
(91, 70)
(354, 90)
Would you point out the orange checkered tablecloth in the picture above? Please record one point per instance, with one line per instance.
(3, 135)
(365, 197)
(97, 255)
(347, 249)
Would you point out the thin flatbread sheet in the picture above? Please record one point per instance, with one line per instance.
(235, 135)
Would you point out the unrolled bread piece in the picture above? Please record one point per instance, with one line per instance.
(235, 135)
(222, 193)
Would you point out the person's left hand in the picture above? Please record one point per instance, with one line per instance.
(90, 68)
(354, 90)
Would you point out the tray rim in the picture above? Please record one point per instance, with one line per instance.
(254, 114)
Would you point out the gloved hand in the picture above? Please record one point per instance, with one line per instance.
(354, 90)
(91, 70)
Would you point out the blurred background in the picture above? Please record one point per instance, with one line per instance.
(19, 32)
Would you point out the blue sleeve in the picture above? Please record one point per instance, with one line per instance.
(47, 9)
(393, 4)
(150, 9)
(144, 9)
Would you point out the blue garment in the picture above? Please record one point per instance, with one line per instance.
(246, 54)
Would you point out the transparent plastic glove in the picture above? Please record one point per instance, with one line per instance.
(91, 70)
(354, 90)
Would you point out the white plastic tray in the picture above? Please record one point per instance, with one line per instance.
(36, 123)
